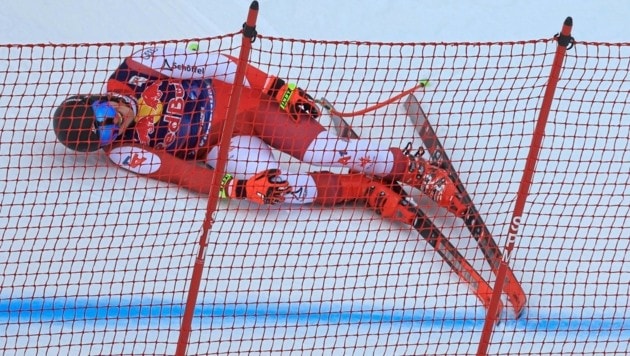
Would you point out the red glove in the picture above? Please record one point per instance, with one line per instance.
(292, 99)
(266, 187)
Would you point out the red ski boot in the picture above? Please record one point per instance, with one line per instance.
(378, 195)
(381, 196)
(431, 180)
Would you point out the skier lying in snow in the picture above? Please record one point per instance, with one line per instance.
(162, 116)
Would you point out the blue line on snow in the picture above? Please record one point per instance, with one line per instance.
(107, 312)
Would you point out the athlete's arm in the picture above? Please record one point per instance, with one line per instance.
(175, 62)
(266, 187)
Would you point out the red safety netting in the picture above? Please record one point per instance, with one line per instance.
(98, 260)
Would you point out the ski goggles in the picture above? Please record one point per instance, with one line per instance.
(105, 117)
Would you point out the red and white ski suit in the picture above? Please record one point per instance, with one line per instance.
(181, 99)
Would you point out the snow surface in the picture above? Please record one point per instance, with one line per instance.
(559, 322)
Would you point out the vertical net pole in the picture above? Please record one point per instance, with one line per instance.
(249, 34)
(564, 40)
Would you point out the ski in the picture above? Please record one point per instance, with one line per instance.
(449, 253)
(473, 220)
(340, 125)
(426, 228)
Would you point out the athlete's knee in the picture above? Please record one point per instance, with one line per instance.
(247, 155)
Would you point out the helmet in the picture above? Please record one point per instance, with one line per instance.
(85, 123)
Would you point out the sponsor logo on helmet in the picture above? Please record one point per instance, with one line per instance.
(74, 100)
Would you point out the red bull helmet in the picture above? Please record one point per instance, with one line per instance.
(85, 123)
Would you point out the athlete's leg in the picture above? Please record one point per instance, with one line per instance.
(307, 140)
(388, 162)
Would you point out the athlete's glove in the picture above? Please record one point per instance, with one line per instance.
(292, 99)
(266, 187)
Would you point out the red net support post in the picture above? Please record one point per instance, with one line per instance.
(249, 34)
(565, 41)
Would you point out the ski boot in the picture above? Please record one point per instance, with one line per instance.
(432, 180)
(375, 193)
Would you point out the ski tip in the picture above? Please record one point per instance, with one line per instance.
(494, 311)
(499, 316)
(411, 99)
(517, 298)
(519, 313)
(324, 103)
